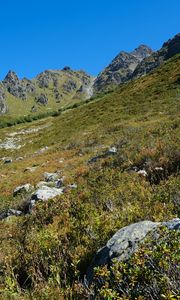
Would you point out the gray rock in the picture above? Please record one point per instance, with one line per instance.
(50, 176)
(26, 188)
(9, 213)
(42, 99)
(111, 151)
(125, 242)
(73, 186)
(173, 224)
(30, 169)
(69, 86)
(45, 193)
(14, 212)
(19, 158)
(8, 160)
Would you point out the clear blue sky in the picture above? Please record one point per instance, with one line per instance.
(38, 34)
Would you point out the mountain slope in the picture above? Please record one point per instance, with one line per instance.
(100, 151)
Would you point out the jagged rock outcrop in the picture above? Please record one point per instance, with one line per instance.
(42, 99)
(168, 50)
(14, 86)
(121, 68)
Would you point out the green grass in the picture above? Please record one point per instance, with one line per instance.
(45, 255)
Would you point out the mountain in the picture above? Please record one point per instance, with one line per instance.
(49, 90)
(121, 68)
(127, 66)
(168, 50)
(97, 182)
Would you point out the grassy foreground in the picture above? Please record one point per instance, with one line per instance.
(44, 255)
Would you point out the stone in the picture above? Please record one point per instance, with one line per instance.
(111, 151)
(72, 186)
(14, 212)
(30, 169)
(9, 213)
(50, 176)
(42, 99)
(125, 242)
(173, 224)
(142, 173)
(8, 160)
(22, 189)
(45, 193)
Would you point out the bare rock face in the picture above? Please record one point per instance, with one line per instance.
(168, 50)
(42, 99)
(14, 86)
(121, 68)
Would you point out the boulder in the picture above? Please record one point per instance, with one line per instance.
(22, 189)
(45, 193)
(125, 242)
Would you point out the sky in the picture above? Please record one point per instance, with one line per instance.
(37, 35)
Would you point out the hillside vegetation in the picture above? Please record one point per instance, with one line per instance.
(45, 254)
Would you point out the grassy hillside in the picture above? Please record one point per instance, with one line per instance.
(44, 255)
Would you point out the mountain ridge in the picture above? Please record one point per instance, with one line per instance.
(52, 90)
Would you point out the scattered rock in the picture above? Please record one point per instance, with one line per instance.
(8, 160)
(111, 151)
(10, 212)
(19, 158)
(42, 150)
(45, 193)
(42, 99)
(30, 169)
(14, 212)
(10, 143)
(69, 86)
(142, 173)
(50, 176)
(26, 188)
(73, 186)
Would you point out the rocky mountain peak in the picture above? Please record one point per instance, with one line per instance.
(11, 77)
(121, 68)
(168, 50)
(142, 52)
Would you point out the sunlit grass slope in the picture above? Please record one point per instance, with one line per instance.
(44, 255)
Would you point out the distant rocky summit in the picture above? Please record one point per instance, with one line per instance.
(51, 88)
(127, 66)
(121, 68)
